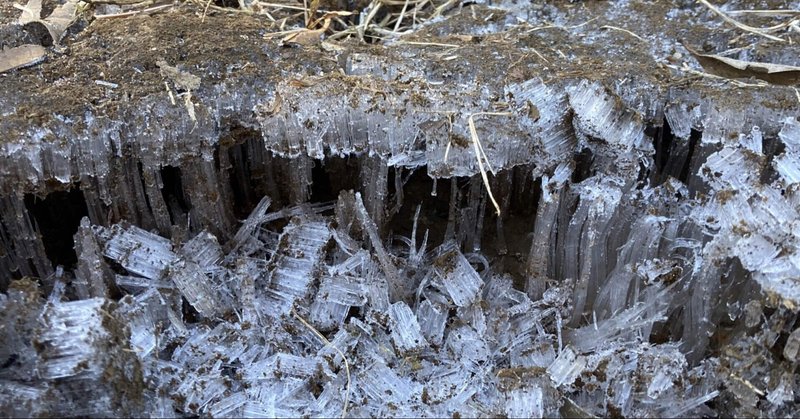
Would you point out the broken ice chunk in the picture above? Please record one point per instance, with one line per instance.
(383, 385)
(143, 314)
(344, 290)
(20, 400)
(406, 332)
(350, 264)
(281, 365)
(72, 339)
(641, 315)
(603, 116)
(541, 354)
(784, 392)
(733, 168)
(790, 134)
(791, 350)
(367, 224)
(137, 284)
(137, 250)
(327, 315)
(335, 297)
(788, 166)
(300, 251)
(467, 346)
(432, 321)
(198, 390)
(207, 346)
(525, 403)
(228, 406)
(206, 297)
(245, 232)
(203, 249)
(567, 367)
(457, 276)
(662, 382)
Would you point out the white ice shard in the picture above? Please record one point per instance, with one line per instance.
(406, 332)
(205, 295)
(73, 339)
(525, 403)
(457, 277)
(139, 251)
(567, 367)
(297, 261)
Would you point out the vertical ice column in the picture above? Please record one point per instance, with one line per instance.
(541, 255)
(374, 178)
(92, 275)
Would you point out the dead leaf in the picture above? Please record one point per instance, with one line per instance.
(61, 19)
(31, 12)
(312, 13)
(181, 79)
(308, 36)
(732, 68)
(274, 107)
(21, 56)
(56, 24)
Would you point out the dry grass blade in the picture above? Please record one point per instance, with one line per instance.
(623, 30)
(400, 18)
(740, 25)
(480, 155)
(325, 340)
(373, 10)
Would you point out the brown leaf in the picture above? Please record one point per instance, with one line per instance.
(181, 79)
(307, 36)
(21, 56)
(732, 68)
(61, 19)
(31, 12)
(312, 13)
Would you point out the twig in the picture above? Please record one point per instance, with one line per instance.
(740, 25)
(476, 143)
(169, 91)
(400, 18)
(205, 10)
(373, 10)
(325, 340)
(449, 136)
(623, 30)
